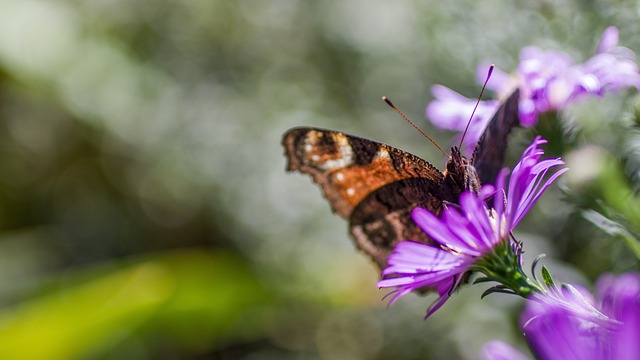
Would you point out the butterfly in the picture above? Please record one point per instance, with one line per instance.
(376, 186)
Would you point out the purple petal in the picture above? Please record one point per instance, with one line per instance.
(442, 281)
(554, 334)
(564, 324)
(525, 183)
(567, 324)
(621, 300)
(444, 289)
(608, 40)
(485, 238)
(531, 196)
(499, 350)
(440, 231)
(398, 293)
(418, 265)
(467, 239)
(449, 110)
(615, 292)
(527, 112)
(411, 257)
(611, 73)
(538, 64)
(499, 200)
(499, 80)
(452, 111)
(487, 191)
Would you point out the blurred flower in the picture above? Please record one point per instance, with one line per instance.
(569, 323)
(451, 110)
(499, 350)
(473, 237)
(548, 81)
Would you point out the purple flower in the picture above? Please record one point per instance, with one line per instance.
(548, 81)
(451, 111)
(568, 323)
(466, 235)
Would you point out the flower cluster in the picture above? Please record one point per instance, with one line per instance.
(548, 81)
(475, 237)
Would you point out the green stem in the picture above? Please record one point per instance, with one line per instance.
(503, 266)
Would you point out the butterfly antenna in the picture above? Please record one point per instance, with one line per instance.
(386, 99)
(477, 103)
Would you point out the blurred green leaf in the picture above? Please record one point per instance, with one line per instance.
(614, 229)
(195, 296)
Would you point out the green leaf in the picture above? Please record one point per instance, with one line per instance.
(195, 297)
(501, 289)
(482, 280)
(546, 277)
(614, 229)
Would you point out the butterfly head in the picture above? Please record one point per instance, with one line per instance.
(460, 173)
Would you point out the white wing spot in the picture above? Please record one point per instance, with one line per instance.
(382, 154)
(350, 191)
(346, 154)
(339, 176)
(310, 140)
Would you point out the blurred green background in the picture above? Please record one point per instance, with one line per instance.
(144, 208)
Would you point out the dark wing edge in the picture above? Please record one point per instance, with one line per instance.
(491, 149)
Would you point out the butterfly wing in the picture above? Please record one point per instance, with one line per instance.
(383, 219)
(373, 185)
(490, 150)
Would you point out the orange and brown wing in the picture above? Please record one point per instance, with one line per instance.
(349, 168)
(373, 185)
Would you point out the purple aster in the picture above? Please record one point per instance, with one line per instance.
(464, 237)
(613, 67)
(568, 324)
(467, 236)
(548, 81)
